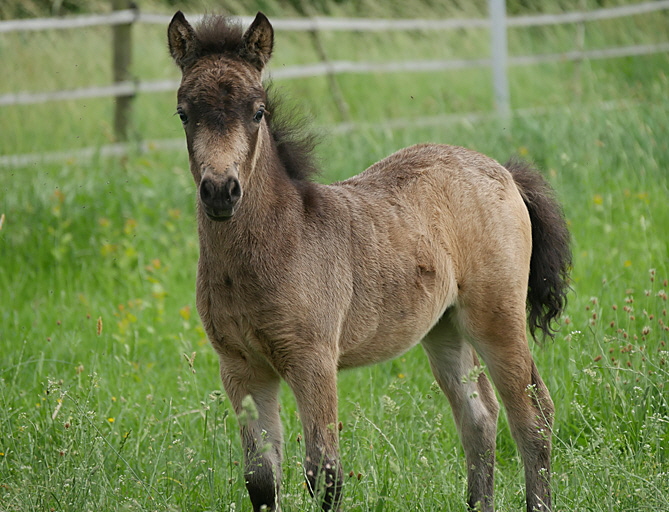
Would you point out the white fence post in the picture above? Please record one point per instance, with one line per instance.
(498, 56)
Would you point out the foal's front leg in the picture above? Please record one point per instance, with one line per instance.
(314, 384)
(253, 391)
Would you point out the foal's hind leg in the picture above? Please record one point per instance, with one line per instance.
(497, 329)
(530, 412)
(475, 408)
(253, 391)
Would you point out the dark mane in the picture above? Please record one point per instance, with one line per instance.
(219, 34)
(295, 144)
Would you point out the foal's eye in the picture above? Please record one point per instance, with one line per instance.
(258, 115)
(182, 115)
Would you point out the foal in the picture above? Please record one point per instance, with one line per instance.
(296, 280)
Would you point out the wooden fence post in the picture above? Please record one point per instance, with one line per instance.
(122, 49)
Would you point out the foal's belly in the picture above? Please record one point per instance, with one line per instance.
(385, 324)
(376, 350)
(388, 337)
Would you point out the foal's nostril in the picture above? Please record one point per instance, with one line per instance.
(234, 190)
(207, 190)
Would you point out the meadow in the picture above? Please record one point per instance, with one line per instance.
(110, 398)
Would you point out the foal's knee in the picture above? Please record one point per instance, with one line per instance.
(325, 482)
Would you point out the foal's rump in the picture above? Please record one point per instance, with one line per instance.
(442, 222)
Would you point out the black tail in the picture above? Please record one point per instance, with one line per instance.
(551, 255)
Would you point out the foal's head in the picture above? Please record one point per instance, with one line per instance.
(221, 103)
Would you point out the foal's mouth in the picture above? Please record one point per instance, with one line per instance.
(219, 216)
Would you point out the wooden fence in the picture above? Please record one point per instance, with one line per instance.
(124, 88)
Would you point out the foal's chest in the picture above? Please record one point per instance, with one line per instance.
(231, 313)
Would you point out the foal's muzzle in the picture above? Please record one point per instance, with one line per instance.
(220, 196)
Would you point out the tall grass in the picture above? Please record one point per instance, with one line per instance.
(109, 393)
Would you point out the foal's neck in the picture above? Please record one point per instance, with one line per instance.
(267, 213)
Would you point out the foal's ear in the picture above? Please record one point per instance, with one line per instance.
(182, 41)
(258, 42)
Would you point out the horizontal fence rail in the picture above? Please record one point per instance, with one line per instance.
(622, 11)
(335, 67)
(324, 68)
(340, 24)
(69, 22)
(123, 89)
(179, 144)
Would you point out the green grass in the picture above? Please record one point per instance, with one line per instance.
(110, 395)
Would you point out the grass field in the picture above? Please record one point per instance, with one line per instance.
(109, 393)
